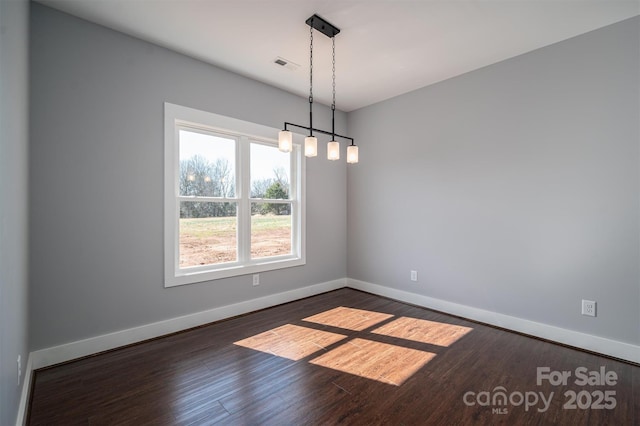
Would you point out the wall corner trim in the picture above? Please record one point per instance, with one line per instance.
(21, 419)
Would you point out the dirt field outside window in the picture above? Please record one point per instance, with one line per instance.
(210, 241)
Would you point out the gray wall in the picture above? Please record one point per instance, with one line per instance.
(96, 168)
(513, 188)
(14, 19)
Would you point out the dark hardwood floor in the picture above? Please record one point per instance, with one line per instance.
(341, 357)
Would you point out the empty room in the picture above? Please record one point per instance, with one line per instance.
(307, 212)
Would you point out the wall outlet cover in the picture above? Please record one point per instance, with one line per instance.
(589, 308)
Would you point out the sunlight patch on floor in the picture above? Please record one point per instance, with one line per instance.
(291, 341)
(361, 355)
(349, 318)
(374, 360)
(419, 330)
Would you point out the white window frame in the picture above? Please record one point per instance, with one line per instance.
(245, 133)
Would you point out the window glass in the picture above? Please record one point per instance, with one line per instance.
(270, 229)
(207, 165)
(270, 170)
(208, 233)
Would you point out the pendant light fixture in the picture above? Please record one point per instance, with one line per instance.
(285, 137)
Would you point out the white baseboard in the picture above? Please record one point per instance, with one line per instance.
(78, 349)
(69, 351)
(588, 342)
(81, 348)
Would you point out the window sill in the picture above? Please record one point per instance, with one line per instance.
(197, 275)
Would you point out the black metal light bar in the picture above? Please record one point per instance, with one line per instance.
(317, 130)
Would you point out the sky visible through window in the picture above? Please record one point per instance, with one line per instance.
(266, 158)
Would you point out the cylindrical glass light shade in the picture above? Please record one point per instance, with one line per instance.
(352, 154)
(310, 146)
(285, 141)
(333, 150)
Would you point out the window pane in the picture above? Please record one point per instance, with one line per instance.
(270, 229)
(207, 233)
(207, 165)
(270, 170)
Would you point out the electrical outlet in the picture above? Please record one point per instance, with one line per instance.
(589, 308)
(256, 279)
(414, 275)
(19, 369)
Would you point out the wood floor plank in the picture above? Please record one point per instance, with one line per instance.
(392, 364)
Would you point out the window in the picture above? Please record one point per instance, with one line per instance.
(234, 204)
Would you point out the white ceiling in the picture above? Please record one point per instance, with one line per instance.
(385, 48)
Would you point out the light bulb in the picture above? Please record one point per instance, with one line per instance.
(310, 146)
(333, 150)
(285, 141)
(352, 154)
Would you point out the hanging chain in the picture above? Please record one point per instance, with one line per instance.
(333, 105)
(311, 64)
